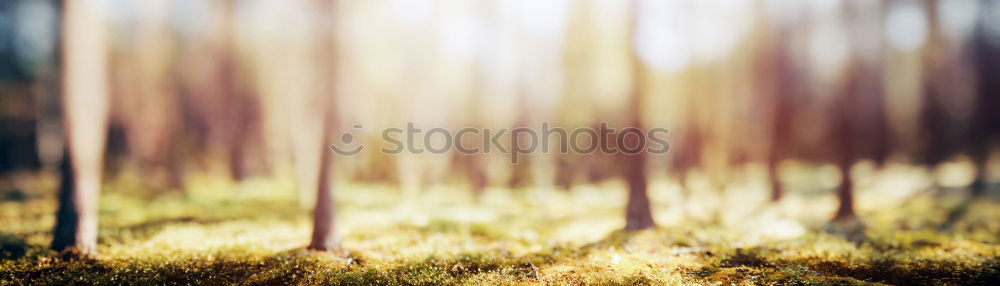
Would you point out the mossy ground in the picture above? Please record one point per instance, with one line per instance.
(217, 232)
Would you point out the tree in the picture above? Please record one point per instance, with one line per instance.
(980, 133)
(150, 111)
(638, 215)
(85, 112)
(313, 123)
(324, 235)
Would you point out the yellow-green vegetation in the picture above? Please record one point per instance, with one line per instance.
(254, 232)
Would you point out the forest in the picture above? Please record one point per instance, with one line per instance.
(499, 142)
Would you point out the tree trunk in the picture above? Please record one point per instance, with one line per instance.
(638, 215)
(64, 234)
(324, 236)
(772, 171)
(845, 158)
(85, 111)
(845, 194)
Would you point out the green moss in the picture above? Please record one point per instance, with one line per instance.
(249, 235)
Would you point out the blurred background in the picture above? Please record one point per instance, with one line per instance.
(761, 93)
(782, 114)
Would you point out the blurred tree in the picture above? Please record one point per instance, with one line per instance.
(214, 81)
(85, 103)
(314, 118)
(982, 133)
(857, 127)
(984, 130)
(777, 85)
(324, 235)
(145, 101)
(638, 215)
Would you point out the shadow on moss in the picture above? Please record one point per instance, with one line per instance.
(287, 268)
(12, 247)
(913, 272)
(754, 266)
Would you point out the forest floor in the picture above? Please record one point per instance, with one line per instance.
(216, 233)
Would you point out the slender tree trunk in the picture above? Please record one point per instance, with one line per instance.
(238, 111)
(320, 100)
(844, 131)
(638, 215)
(779, 118)
(985, 120)
(67, 218)
(85, 111)
(324, 236)
(983, 124)
(150, 109)
(772, 171)
(845, 194)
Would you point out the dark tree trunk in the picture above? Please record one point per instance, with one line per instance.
(779, 129)
(85, 118)
(772, 171)
(67, 216)
(638, 215)
(239, 114)
(985, 127)
(76, 218)
(845, 194)
(324, 236)
(236, 165)
(844, 133)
